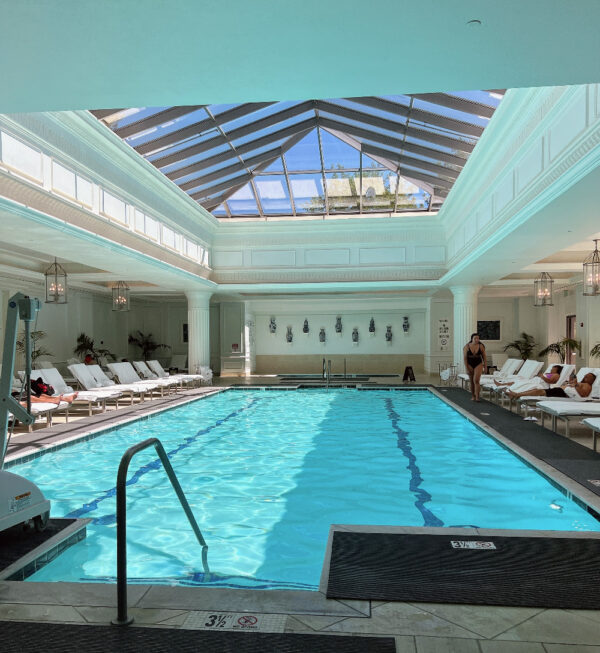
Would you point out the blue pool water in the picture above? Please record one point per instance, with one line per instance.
(267, 472)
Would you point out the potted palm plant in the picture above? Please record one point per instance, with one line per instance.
(560, 348)
(595, 351)
(146, 343)
(36, 351)
(523, 345)
(86, 345)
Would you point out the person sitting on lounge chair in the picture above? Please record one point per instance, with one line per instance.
(571, 389)
(550, 377)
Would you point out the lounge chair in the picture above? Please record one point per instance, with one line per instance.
(125, 373)
(157, 368)
(91, 377)
(179, 361)
(594, 424)
(510, 367)
(524, 403)
(92, 398)
(569, 409)
(148, 375)
(527, 371)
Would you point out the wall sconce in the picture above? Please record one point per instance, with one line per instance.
(338, 325)
(542, 290)
(272, 326)
(372, 327)
(305, 327)
(120, 297)
(405, 324)
(591, 273)
(56, 284)
(322, 335)
(355, 336)
(289, 336)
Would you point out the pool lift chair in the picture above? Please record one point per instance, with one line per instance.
(21, 501)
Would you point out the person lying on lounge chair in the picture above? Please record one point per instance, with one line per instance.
(571, 389)
(549, 377)
(46, 399)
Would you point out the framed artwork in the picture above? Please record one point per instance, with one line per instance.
(488, 329)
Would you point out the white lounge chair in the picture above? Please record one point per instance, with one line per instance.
(594, 424)
(525, 402)
(91, 377)
(527, 371)
(157, 368)
(510, 367)
(179, 361)
(125, 373)
(148, 375)
(91, 398)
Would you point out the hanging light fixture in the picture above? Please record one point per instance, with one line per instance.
(591, 272)
(120, 296)
(56, 284)
(542, 290)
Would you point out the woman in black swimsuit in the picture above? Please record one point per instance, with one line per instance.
(475, 362)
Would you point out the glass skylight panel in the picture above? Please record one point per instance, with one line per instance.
(342, 191)
(216, 109)
(309, 196)
(188, 160)
(133, 115)
(273, 194)
(259, 114)
(220, 211)
(166, 128)
(478, 96)
(276, 166)
(338, 155)
(266, 131)
(440, 110)
(411, 196)
(305, 154)
(243, 202)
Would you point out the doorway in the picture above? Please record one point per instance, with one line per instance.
(571, 334)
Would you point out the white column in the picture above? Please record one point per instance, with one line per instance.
(465, 319)
(198, 329)
(249, 342)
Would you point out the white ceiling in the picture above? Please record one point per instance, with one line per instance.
(76, 54)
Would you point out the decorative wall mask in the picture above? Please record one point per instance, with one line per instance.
(305, 327)
(322, 335)
(338, 324)
(272, 325)
(388, 333)
(355, 335)
(405, 324)
(372, 327)
(289, 336)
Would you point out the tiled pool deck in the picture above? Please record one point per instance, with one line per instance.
(417, 627)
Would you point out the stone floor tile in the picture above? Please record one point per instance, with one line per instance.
(316, 623)
(55, 613)
(105, 615)
(569, 648)
(400, 619)
(588, 614)
(555, 626)
(98, 594)
(496, 646)
(446, 645)
(175, 621)
(485, 620)
(405, 644)
(294, 625)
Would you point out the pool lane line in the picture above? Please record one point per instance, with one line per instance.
(415, 473)
(155, 464)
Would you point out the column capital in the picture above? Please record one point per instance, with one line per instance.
(198, 298)
(465, 293)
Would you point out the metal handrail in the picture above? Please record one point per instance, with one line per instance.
(122, 618)
(328, 373)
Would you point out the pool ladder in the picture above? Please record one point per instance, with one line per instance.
(122, 618)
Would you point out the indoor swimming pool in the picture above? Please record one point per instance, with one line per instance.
(267, 472)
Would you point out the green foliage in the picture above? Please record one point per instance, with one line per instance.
(86, 345)
(36, 352)
(595, 351)
(523, 345)
(560, 347)
(146, 343)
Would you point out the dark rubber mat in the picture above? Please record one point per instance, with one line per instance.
(571, 458)
(520, 571)
(16, 542)
(58, 638)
